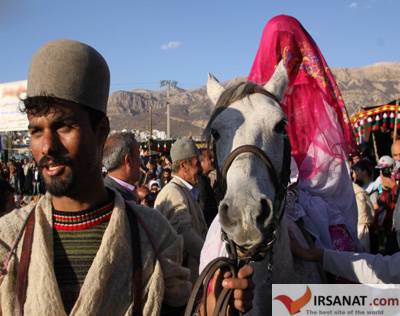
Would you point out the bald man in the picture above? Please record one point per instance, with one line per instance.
(396, 150)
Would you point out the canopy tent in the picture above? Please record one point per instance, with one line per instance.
(374, 125)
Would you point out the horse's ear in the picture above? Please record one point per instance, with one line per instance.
(214, 88)
(279, 81)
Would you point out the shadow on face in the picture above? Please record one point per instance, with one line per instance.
(67, 146)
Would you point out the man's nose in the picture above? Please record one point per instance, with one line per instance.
(49, 143)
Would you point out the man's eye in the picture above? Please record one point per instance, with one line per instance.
(34, 132)
(64, 128)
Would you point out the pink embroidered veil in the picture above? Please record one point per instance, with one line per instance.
(311, 87)
(320, 136)
(318, 126)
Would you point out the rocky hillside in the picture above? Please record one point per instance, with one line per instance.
(190, 109)
(368, 86)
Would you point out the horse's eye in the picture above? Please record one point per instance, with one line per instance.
(215, 134)
(280, 128)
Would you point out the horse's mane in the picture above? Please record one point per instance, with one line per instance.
(230, 95)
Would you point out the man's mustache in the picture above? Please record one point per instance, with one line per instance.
(47, 160)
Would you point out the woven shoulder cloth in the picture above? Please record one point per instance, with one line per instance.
(13, 250)
(23, 265)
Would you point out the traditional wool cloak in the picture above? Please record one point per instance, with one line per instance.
(107, 286)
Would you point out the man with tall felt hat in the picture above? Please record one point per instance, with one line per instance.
(82, 249)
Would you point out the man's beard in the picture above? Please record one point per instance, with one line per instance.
(58, 185)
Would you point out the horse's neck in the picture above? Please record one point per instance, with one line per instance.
(282, 272)
(282, 261)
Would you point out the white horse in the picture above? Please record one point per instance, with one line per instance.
(250, 117)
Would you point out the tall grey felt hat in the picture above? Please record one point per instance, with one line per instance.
(183, 148)
(71, 71)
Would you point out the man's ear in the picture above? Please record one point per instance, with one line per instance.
(182, 164)
(127, 160)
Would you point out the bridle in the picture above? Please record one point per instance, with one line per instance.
(258, 252)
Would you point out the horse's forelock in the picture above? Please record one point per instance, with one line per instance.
(232, 94)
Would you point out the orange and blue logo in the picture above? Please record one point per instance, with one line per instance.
(294, 306)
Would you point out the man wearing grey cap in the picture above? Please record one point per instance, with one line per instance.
(178, 201)
(82, 249)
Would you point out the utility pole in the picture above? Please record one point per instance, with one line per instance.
(395, 121)
(168, 116)
(168, 84)
(151, 126)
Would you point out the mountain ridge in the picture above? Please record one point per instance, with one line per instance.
(190, 109)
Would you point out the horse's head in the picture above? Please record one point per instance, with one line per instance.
(247, 115)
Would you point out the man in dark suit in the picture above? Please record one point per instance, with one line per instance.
(207, 200)
(122, 160)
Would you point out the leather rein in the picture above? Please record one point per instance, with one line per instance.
(258, 252)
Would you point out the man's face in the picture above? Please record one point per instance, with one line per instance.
(66, 148)
(206, 162)
(191, 168)
(396, 150)
(154, 188)
(355, 159)
(166, 174)
(151, 166)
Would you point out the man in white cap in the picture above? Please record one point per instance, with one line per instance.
(178, 202)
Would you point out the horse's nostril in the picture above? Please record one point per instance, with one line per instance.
(224, 216)
(223, 210)
(264, 214)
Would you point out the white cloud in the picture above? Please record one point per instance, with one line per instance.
(171, 45)
(353, 5)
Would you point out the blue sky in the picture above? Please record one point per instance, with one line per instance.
(146, 41)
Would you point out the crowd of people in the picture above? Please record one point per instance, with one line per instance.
(376, 188)
(22, 179)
